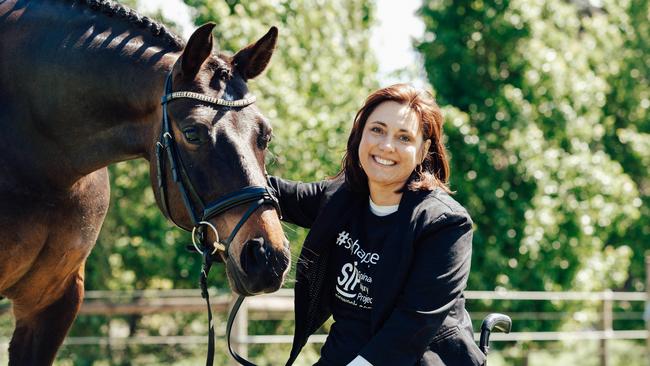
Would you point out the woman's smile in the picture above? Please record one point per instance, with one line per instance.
(385, 162)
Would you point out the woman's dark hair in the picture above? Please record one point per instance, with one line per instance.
(434, 170)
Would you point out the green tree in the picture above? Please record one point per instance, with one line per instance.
(554, 174)
(625, 63)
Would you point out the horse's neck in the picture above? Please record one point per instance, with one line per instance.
(94, 94)
(119, 107)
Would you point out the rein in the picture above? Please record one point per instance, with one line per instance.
(200, 212)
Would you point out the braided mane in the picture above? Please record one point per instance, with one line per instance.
(110, 8)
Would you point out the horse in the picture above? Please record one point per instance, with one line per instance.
(81, 83)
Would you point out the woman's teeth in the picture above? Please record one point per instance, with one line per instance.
(383, 161)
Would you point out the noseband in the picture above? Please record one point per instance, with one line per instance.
(199, 212)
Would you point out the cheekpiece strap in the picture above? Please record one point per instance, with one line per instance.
(208, 99)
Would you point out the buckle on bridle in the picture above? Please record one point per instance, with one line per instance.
(216, 244)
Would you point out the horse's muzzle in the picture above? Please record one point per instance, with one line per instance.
(262, 268)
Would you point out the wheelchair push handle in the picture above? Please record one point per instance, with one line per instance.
(494, 322)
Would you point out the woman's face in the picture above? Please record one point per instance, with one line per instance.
(391, 147)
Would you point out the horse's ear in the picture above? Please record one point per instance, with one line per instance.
(198, 48)
(253, 59)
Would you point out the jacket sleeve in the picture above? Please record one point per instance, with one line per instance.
(300, 202)
(437, 277)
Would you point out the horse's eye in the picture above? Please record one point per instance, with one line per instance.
(192, 135)
(263, 140)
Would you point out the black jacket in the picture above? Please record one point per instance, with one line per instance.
(419, 317)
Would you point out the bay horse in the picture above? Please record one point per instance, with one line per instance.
(81, 83)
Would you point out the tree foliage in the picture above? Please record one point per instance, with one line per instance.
(534, 138)
(548, 130)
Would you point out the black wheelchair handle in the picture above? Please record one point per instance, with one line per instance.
(494, 322)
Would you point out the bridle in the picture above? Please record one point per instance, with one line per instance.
(200, 213)
(197, 209)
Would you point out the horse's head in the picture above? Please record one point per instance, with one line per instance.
(215, 147)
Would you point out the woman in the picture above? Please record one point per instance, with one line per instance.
(389, 250)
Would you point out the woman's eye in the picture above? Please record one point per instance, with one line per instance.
(405, 138)
(375, 129)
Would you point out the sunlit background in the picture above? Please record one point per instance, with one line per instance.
(546, 109)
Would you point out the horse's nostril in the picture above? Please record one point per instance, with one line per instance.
(254, 255)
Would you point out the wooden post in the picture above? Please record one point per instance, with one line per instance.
(608, 326)
(240, 333)
(526, 360)
(646, 314)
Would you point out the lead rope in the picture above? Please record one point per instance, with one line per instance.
(231, 321)
(207, 253)
(205, 270)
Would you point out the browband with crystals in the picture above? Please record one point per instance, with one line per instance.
(208, 99)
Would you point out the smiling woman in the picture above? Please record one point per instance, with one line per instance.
(404, 123)
(391, 147)
(389, 250)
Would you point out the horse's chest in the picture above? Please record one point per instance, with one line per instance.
(57, 234)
